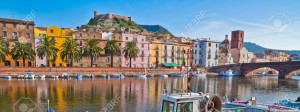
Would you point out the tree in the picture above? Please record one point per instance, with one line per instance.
(70, 51)
(22, 51)
(131, 51)
(3, 49)
(92, 49)
(46, 48)
(112, 48)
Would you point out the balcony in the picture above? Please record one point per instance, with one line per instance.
(142, 55)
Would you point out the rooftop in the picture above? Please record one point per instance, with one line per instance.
(17, 21)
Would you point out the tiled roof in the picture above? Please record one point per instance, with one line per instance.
(16, 21)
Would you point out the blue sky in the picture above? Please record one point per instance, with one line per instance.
(270, 23)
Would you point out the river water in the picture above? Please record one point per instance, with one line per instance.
(131, 94)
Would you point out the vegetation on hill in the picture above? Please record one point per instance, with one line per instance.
(252, 47)
(156, 29)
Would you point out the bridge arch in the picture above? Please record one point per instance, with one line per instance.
(258, 71)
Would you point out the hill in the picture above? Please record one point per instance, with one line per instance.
(252, 47)
(156, 29)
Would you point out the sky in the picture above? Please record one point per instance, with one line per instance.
(269, 23)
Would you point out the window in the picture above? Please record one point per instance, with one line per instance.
(4, 24)
(142, 40)
(142, 45)
(185, 107)
(29, 64)
(15, 25)
(107, 59)
(15, 35)
(7, 63)
(167, 106)
(126, 38)
(80, 43)
(51, 31)
(4, 33)
(195, 51)
(142, 59)
(216, 45)
(27, 26)
(209, 44)
(94, 36)
(27, 35)
(17, 63)
(80, 34)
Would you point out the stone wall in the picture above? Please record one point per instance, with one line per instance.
(83, 70)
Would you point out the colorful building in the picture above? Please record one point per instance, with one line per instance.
(206, 52)
(59, 35)
(155, 48)
(17, 31)
(142, 60)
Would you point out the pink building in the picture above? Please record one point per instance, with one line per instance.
(143, 57)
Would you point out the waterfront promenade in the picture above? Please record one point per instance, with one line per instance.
(83, 70)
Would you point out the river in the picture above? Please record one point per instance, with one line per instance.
(131, 94)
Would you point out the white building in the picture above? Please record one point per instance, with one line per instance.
(206, 52)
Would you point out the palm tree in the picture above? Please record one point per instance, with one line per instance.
(22, 51)
(70, 51)
(131, 51)
(112, 48)
(46, 47)
(3, 49)
(92, 49)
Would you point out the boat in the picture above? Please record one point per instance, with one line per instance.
(199, 74)
(252, 106)
(178, 75)
(30, 75)
(78, 77)
(53, 76)
(21, 76)
(228, 73)
(103, 76)
(290, 103)
(91, 76)
(7, 76)
(163, 75)
(64, 76)
(151, 75)
(42, 77)
(118, 76)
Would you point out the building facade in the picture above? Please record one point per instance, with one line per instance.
(237, 39)
(17, 31)
(155, 56)
(142, 60)
(225, 56)
(206, 52)
(59, 35)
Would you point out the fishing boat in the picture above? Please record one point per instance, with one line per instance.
(252, 106)
(178, 75)
(228, 73)
(7, 76)
(290, 103)
(118, 76)
(163, 75)
(30, 75)
(78, 77)
(64, 76)
(199, 74)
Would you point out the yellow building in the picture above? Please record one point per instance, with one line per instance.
(155, 53)
(59, 35)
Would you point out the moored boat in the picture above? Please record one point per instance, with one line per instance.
(91, 76)
(30, 75)
(7, 76)
(178, 75)
(228, 73)
(78, 77)
(64, 76)
(163, 75)
(118, 76)
(21, 76)
(42, 77)
(201, 74)
(290, 103)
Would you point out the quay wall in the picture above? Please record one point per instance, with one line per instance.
(82, 70)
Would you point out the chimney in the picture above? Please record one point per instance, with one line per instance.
(96, 13)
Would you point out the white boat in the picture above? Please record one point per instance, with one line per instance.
(30, 75)
(228, 73)
(200, 74)
(103, 75)
(178, 75)
(142, 76)
(163, 75)
(295, 77)
(21, 76)
(42, 77)
(7, 76)
(118, 76)
(90, 76)
(64, 76)
(189, 102)
(54, 76)
(252, 106)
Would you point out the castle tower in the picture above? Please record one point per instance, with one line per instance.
(237, 39)
(96, 13)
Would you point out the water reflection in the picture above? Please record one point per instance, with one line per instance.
(132, 94)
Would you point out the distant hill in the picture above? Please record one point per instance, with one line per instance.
(156, 29)
(252, 47)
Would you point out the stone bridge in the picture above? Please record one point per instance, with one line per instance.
(244, 69)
